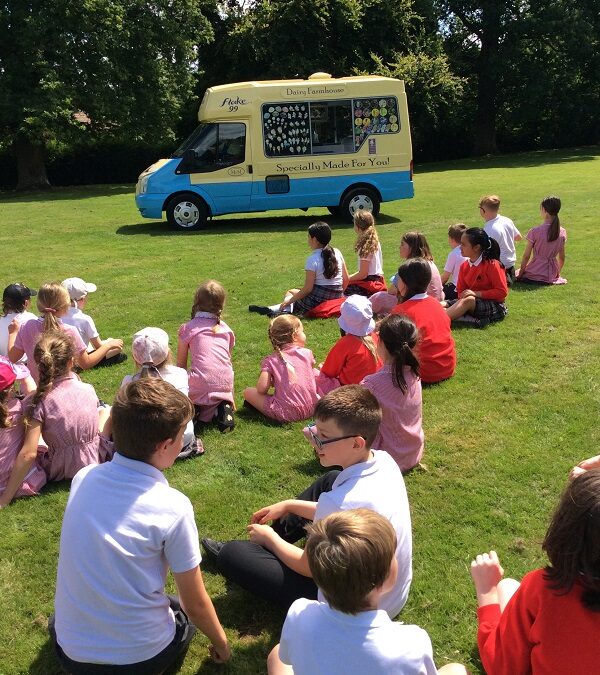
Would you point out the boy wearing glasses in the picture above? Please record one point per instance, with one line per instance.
(269, 565)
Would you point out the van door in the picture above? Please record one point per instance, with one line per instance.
(219, 166)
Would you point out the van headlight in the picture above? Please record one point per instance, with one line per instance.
(143, 184)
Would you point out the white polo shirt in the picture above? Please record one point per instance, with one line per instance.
(123, 528)
(314, 263)
(319, 640)
(453, 262)
(377, 485)
(5, 321)
(503, 230)
(83, 322)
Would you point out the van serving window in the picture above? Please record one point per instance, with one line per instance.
(326, 127)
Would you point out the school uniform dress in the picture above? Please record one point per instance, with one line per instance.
(324, 288)
(348, 362)
(29, 335)
(435, 350)
(376, 484)
(401, 429)
(319, 640)
(488, 278)
(541, 631)
(295, 390)
(68, 414)
(374, 281)
(11, 442)
(211, 372)
(543, 268)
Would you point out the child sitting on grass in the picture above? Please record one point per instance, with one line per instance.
(354, 355)
(503, 230)
(78, 291)
(550, 622)
(453, 262)
(369, 278)
(289, 371)
(269, 565)
(351, 557)
(123, 528)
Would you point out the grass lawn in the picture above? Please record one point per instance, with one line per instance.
(500, 436)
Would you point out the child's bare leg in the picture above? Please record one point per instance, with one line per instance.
(506, 589)
(453, 669)
(461, 307)
(104, 421)
(275, 665)
(255, 399)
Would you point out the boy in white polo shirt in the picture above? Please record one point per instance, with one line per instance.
(269, 565)
(503, 230)
(351, 558)
(78, 292)
(123, 528)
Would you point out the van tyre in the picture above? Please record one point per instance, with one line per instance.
(335, 211)
(187, 212)
(359, 199)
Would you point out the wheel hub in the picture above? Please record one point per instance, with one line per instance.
(186, 214)
(360, 203)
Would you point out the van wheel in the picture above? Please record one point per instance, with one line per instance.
(359, 199)
(186, 212)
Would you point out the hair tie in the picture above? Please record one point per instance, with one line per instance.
(489, 246)
(49, 309)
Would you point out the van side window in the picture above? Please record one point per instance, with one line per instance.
(213, 147)
(331, 127)
(374, 116)
(286, 129)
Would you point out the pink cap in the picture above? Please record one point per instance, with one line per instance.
(8, 374)
(150, 345)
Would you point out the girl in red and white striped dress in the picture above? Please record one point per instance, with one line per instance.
(397, 387)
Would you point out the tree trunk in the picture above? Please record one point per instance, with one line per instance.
(31, 166)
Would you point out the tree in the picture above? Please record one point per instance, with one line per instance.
(126, 64)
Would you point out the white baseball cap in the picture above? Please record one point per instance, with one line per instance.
(78, 288)
(356, 316)
(150, 345)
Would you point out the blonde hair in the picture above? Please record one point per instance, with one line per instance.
(53, 354)
(350, 554)
(367, 242)
(490, 203)
(369, 343)
(282, 331)
(210, 297)
(53, 300)
(5, 421)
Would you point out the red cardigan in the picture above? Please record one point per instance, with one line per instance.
(350, 360)
(539, 632)
(488, 278)
(435, 351)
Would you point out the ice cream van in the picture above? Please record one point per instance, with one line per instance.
(340, 143)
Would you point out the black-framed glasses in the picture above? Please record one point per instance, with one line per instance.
(320, 442)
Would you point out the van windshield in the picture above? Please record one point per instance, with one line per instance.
(203, 137)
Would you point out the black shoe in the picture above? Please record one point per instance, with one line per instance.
(260, 309)
(224, 417)
(113, 360)
(212, 548)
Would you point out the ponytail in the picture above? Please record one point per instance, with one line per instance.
(490, 249)
(53, 300)
(322, 233)
(369, 343)
(148, 369)
(282, 332)
(52, 354)
(399, 336)
(367, 241)
(552, 207)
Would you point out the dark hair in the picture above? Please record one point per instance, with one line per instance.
(455, 232)
(350, 554)
(354, 409)
(145, 413)
(490, 250)
(10, 305)
(399, 336)
(417, 243)
(416, 274)
(572, 541)
(52, 354)
(322, 233)
(552, 206)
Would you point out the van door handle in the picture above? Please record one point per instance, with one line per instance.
(249, 168)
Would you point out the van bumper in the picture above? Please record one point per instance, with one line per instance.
(150, 205)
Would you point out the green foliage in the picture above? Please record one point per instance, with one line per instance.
(500, 436)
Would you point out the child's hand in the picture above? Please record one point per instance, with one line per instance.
(468, 293)
(586, 465)
(117, 344)
(261, 534)
(220, 654)
(13, 327)
(487, 573)
(273, 512)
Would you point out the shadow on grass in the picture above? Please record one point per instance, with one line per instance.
(521, 287)
(71, 193)
(46, 662)
(514, 161)
(229, 225)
